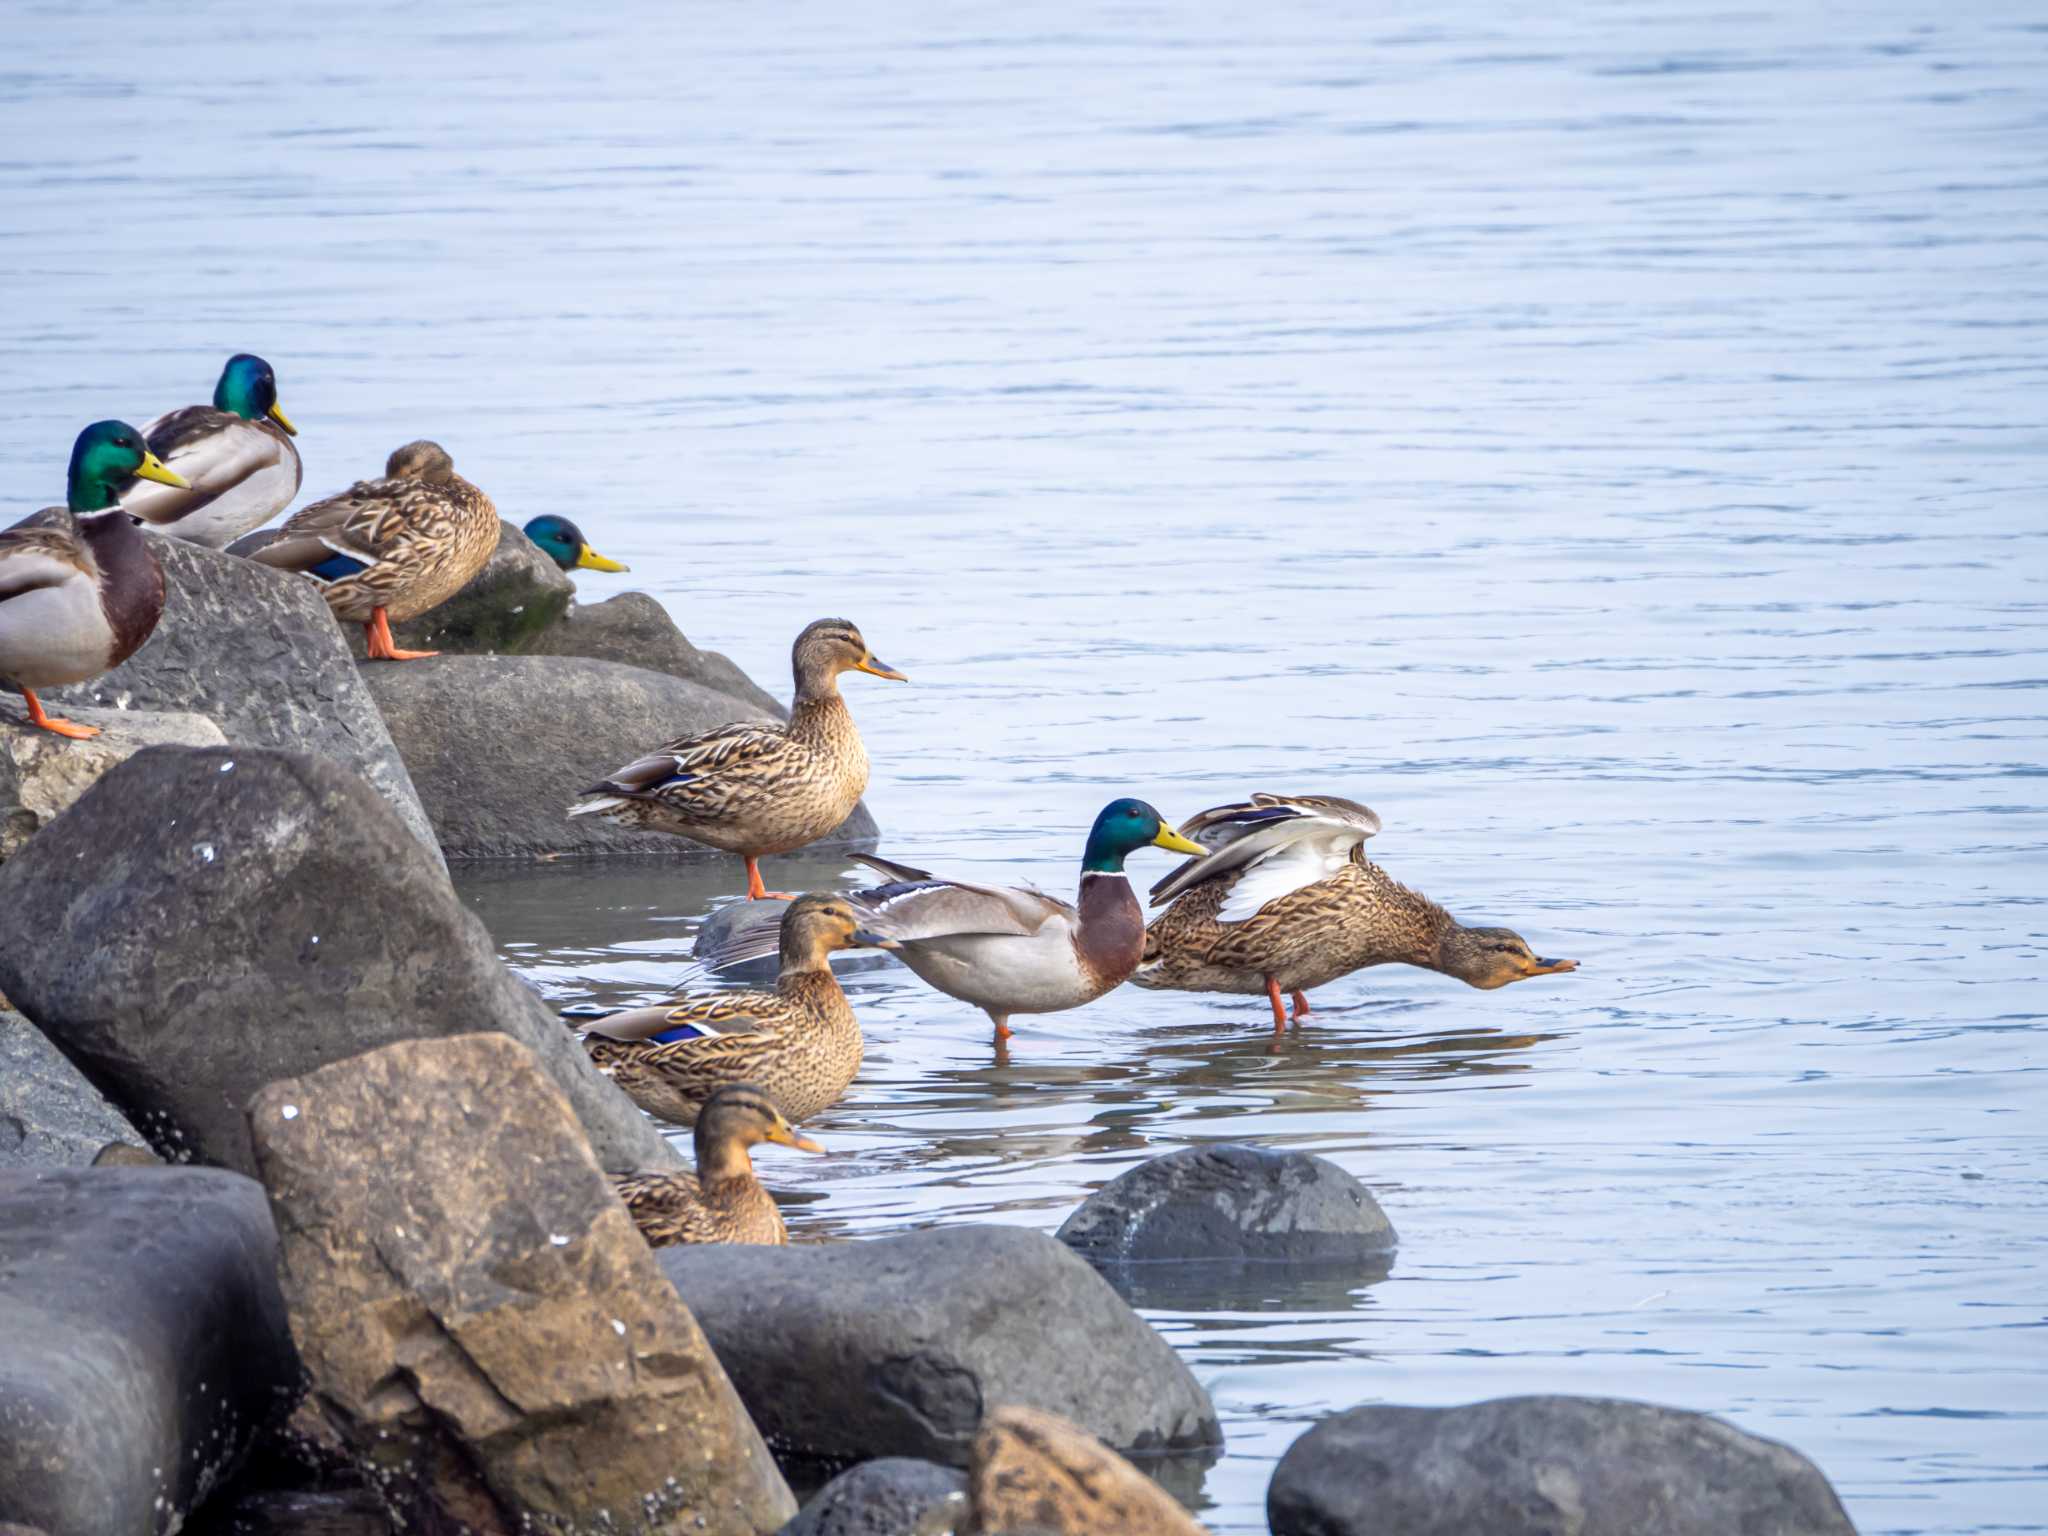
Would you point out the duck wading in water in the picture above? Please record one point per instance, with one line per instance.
(752, 788)
(722, 1202)
(393, 548)
(1283, 899)
(80, 589)
(236, 457)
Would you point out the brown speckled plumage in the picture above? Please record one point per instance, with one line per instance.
(722, 1202)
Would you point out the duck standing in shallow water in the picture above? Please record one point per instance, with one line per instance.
(755, 789)
(80, 589)
(801, 1042)
(392, 548)
(236, 458)
(722, 1202)
(563, 542)
(1283, 898)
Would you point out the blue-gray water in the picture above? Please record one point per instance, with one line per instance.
(1610, 445)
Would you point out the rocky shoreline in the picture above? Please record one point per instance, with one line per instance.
(303, 1216)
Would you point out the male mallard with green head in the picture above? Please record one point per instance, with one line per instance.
(722, 1202)
(801, 1042)
(752, 788)
(392, 548)
(563, 542)
(1282, 898)
(79, 588)
(236, 457)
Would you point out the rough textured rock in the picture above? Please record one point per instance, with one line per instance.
(42, 774)
(500, 745)
(635, 629)
(478, 1315)
(145, 1343)
(902, 1344)
(206, 920)
(1538, 1466)
(889, 1497)
(505, 607)
(1230, 1202)
(1033, 1471)
(257, 652)
(49, 1114)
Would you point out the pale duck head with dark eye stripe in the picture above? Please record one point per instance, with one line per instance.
(828, 647)
(820, 923)
(1488, 958)
(738, 1116)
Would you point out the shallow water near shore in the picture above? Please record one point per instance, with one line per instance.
(1609, 445)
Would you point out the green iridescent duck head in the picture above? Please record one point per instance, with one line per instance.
(564, 544)
(1125, 826)
(248, 389)
(106, 456)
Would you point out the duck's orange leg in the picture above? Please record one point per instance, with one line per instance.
(54, 724)
(1279, 1008)
(1301, 1009)
(756, 891)
(381, 647)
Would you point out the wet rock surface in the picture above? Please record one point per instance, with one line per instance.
(480, 1320)
(1231, 1202)
(1036, 1472)
(900, 1346)
(41, 773)
(207, 920)
(257, 652)
(634, 628)
(1536, 1466)
(892, 1496)
(49, 1114)
(145, 1343)
(500, 746)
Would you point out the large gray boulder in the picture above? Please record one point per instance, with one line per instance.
(499, 747)
(143, 1344)
(257, 652)
(41, 773)
(482, 1325)
(207, 920)
(635, 629)
(49, 1114)
(891, 1496)
(1538, 1466)
(1231, 1201)
(901, 1346)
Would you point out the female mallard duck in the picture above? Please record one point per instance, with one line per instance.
(236, 456)
(722, 1202)
(80, 592)
(801, 1042)
(393, 548)
(563, 542)
(1011, 949)
(755, 789)
(1283, 898)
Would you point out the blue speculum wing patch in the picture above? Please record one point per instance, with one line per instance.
(680, 1032)
(335, 567)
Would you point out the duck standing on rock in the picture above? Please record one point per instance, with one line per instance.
(239, 465)
(563, 542)
(80, 589)
(753, 788)
(722, 1202)
(801, 1042)
(390, 549)
(1283, 898)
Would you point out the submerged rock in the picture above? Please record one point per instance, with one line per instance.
(143, 1344)
(900, 1346)
(206, 920)
(258, 653)
(1534, 1466)
(41, 774)
(499, 747)
(1231, 1202)
(50, 1116)
(1033, 1471)
(478, 1315)
(893, 1496)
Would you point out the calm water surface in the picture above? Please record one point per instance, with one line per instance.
(1611, 445)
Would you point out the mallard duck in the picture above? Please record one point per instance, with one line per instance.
(563, 542)
(1283, 899)
(236, 456)
(80, 589)
(752, 788)
(391, 549)
(801, 1042)
(722, 1202)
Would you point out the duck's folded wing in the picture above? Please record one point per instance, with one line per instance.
(933, 908)
(1251, 831)
(32, 558)
(710, 1016)
(696, 768)
(213, 450)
